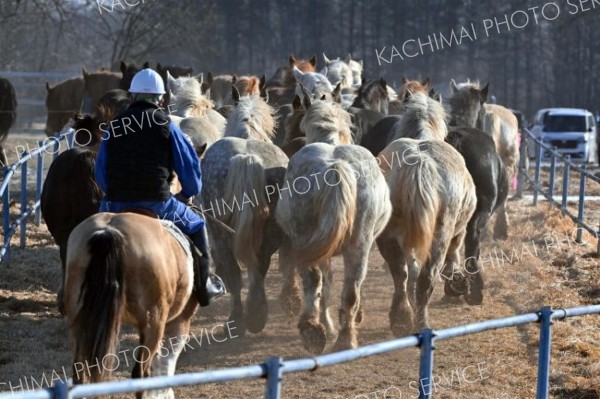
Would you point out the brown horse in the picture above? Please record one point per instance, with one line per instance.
(128, 72)
(62, 101)
(96, 84)
(8, 114)
(413, 86)
(127, 269)
(282, 85)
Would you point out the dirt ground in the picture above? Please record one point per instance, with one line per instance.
(538, 265)
(546, 269)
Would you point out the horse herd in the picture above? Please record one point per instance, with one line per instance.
(313, 165)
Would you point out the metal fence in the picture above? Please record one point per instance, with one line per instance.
(51, 146)
(275, 368)
(556, 159)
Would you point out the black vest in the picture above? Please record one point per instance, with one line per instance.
(138, 163)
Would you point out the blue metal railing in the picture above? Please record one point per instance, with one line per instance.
(10, 228)
(274, 368)
(542, 149)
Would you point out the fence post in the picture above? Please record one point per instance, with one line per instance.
(60, 390)
(6, 215)
(581, 204)
(523, 155)
(38, 184)
(544, 352)
(274, 377)
(565, 192)
(552, 174)
(538, 165)
(426, 366)
(56, 145)
(23, 226)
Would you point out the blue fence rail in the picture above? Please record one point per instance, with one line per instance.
(26, 210)
(543, 150)
(275, 368)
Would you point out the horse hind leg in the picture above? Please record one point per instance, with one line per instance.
(401, 313)
(325, 316)
(314, 336)
(430, 270)
(150, 339)
(256, 302)
(176, 333)
(501, 227)
(355, 269)
(474, 273)
(289, 297)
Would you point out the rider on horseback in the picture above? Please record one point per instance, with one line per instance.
(135, 167)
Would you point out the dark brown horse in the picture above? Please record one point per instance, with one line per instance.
(373, 95)
(129, 72)
(62, 101)
(8, 114)
(70, 193)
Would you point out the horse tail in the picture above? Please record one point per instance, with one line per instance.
(102, 297)
(244, 191)
(417, 202)
(335, 207)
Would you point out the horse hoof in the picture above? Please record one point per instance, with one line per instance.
(500, 235)
(401, 329)
(256, 322)
(345, 343)
(474, 298)
(455, 288)
(314, 337)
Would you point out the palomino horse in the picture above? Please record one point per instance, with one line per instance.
(62, 101)
(240, 174)
(8, 114)
(468, 108)
(96, 84)
(328, 214)
(433, 196)
(193, 112)
(338, 72)
(127, 269)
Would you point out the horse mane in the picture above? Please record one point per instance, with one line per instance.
(424, 118)
(252, 119)
(189, 100)
(327, 122)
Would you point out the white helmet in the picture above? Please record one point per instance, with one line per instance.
(147, 81)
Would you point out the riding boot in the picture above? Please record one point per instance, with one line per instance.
(207, 286)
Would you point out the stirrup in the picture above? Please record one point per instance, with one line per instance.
(215, 287)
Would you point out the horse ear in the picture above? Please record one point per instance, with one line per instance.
(201, 150)
(298, 73)
(337, 93)
(209, 77)
(404, 80)
(292, 59)
(235, 94)
(297, 103)
(85, 72)
(234, 78)
(348, 58)
(200, 78)
(360, 62)
(48, 88)
(383, 83)
(313, 60)
(171, 82)
(483, 93)
(146, 65)
(453, 86)
(406, 96)
(325, 59)
(263, 82)
(426, 82)
(158, 67)
(123, 67)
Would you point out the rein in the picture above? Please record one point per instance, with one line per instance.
(212, 218)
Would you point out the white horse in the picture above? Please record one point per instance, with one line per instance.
(338, 71)
(339, 205)
(314, 83)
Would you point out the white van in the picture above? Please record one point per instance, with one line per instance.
(571, 130)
